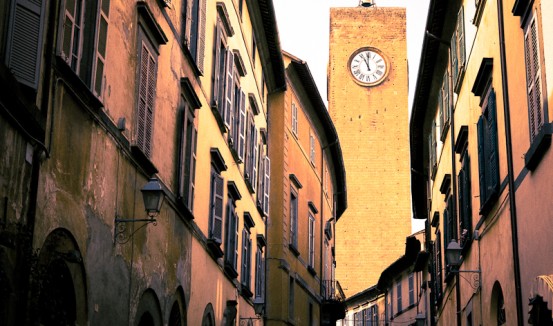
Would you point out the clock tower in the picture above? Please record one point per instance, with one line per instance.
(368, 103)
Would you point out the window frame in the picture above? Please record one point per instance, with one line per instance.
(293, 209)
(311, 240)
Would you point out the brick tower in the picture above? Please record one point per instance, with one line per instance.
(368, 103)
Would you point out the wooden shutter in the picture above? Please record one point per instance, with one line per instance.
(216, 232)
(441, 117)
(266, 185)
(201, 35)
(294, 118)
(244, 256)
(461, 39)
(533, 79)
(465, 205)
(218, 67)
(481, 160)
(492, 146)
(235, 240)
(242, 126)
(229, 89)
(255, 147)
(24, 47)
(260, 176)
(454, 56)
(192, 169)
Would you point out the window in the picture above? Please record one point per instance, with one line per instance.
(24, 46)
(82, 39)
(254, 46)
(488, 161)
(216, 204)
(398, 295)
(238, 122)
(293, 219)
(450, 221)
(411, 289)
(246, 259)
(536, 113)
(444, 106)
(438, 267)
(265, 184)
(187, 151)
(252, 144)
(433, 143)
(259, 272)
(222, 78)
(371, 316)
(194, 17)
(458, 54)
(294, 119)
(232, 230)
(465, 199)
(311, 240)
(147, 78)
(291, 298)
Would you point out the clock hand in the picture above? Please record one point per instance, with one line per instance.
(366, 58)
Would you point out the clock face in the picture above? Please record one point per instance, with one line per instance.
(368, 67)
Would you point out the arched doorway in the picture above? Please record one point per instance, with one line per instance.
(209, 316)
(498, 305)
(177, 316)
(60, 282)
(148, 312)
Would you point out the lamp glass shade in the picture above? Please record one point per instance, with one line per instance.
(153, 197)
(258, 306)
(453, 253)
(420, 319)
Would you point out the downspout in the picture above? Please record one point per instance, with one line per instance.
(510, 169)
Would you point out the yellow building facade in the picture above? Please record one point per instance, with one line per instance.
(367, 99)
(308, 196)
(480, 138)
(105, 100)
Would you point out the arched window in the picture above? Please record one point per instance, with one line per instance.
(209, 316)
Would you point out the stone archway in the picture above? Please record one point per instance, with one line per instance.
(60, 282)
(148, 312)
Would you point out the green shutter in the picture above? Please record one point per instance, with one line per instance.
(493, 159)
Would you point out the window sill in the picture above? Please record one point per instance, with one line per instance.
(214, 248)
(245, 291)
(538, 147)
(143, 161)
(293, 249)
(230, 271)
(311, 270)
(76, 85)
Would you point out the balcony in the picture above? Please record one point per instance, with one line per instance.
(333, 307)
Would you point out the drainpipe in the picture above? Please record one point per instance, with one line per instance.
(511, 180)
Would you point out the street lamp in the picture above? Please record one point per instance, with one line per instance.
(152, 195)
(453, 256)
(258, 308)
(420, 319)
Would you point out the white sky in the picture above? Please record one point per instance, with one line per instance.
(304, 32)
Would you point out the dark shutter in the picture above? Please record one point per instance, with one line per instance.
(481, 161)
(216, 207)
(229, 89)
(101, 46)
(254, 159)
(242, 126)
(465, 209)
(201, 36)
(235, 240)
(461, 38)
(24, 47)
(454, 56)
(216, 79)
(266, 184)
(493, 159)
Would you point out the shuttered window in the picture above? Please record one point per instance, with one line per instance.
(194, 17)
(216, 211)
(231, 245)
(465, 200)
(533, 77)
(241, 125)
(266, 184)
(458, 52)
(444, 106)
(293, 218)
(24, 46)
(488, 161)
(438, 267)
(259, 273)
(433, 143)
(251, 153)
(82, 39)
(245, 273)
(311, 240)
(187, 155)
(312, 149)
(146, 96)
